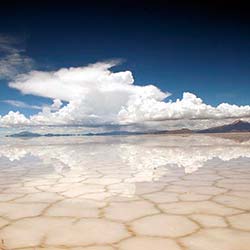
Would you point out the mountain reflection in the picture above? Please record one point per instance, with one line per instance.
(132, 159)
(142, 153)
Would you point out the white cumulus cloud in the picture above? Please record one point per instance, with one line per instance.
(95, 95)
(14, 118)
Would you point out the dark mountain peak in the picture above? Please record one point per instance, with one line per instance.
(237, 122)
(237, 126)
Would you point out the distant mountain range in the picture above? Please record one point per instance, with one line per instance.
(237, 126)
(27, 134)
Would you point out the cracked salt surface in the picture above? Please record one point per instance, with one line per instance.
(125, 193)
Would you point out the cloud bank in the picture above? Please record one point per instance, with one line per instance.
(95, 95)
(13, 60)
(21, 104)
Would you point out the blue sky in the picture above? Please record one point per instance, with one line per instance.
(178, 48)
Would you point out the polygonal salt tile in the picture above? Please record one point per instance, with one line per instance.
(241, 221)
(229, 173)
(123, 189)
(209, 220)
(196, 189)
(40, 197)
(75, 208)
(96, 196)
(29, 232)
(39, 182)
(126, 211)
(233, 201)
(44, 248)
(93, 248)
(204, 207)
(169, 179)
(76, 190)
(234, 181)
(12, 184)
(3, 222)
(162, 225)
(61, 231)
(57, 188)
(87, 232)
(120, 198)
(243, 194)
(193, 183)
(21, 210)
(21, 190)
(71, 179)
(194, 197)
(235, 186)
(162, 197)
(144, 188)
(148, 243)
(217, 239)
(8, 197)
(207, 177)
(102, 181)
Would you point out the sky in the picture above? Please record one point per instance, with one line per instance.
(124, 65)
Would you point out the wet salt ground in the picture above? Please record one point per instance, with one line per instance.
(125, 193)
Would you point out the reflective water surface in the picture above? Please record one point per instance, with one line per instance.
(152, 192)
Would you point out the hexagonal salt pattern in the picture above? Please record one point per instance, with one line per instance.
(125, 193)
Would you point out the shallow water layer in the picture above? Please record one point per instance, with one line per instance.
(156, 192)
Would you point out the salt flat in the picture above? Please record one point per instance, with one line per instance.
(152, 192)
